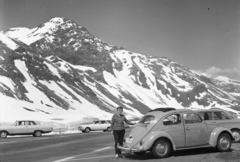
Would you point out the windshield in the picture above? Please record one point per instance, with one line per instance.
(147, 119)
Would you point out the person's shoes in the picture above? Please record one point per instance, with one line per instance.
(116, 156)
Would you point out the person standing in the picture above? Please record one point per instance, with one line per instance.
(118, 129)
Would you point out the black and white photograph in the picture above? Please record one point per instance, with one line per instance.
(119, 80)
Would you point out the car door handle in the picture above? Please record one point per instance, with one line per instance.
(187, 128)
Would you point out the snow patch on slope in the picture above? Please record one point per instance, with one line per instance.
(8, 42)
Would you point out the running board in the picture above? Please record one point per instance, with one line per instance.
(185, 148)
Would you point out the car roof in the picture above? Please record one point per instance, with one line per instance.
(212, 109)
(24, 120)
(101, 120)
(164, 109)
(159, 114)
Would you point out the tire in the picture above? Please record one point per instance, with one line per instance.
(37, 133)
(236, 135)
(87, 130)
(224, 142)
(161, 148)
(140, 153)
(109, 129)
(3, 134)
(83, 131)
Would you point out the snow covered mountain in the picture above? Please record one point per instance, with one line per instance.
(229, 85)
(59, 71)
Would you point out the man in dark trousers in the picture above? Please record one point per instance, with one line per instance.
(118, 129)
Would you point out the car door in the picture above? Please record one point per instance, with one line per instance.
(195, 130)
(174, 127)
(27, 127)
(20, 128)
(32, 126)
(104, 125)
(95, 125)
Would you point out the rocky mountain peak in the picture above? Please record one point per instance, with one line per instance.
(71, 71)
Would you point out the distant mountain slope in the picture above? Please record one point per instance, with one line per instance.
(60, 69)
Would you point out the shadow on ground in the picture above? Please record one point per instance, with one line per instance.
(149, 156)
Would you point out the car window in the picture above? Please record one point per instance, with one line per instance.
(148, 119)
(191, 118)
(27, 123)
(33, 123)
(20, 123)
(233, 114)
(206, 115)
(172, 119)
(103, 122)
(96, 122)
(220, 116)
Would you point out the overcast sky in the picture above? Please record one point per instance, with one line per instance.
(203, 35)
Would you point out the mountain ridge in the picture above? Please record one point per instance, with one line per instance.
(69, 68)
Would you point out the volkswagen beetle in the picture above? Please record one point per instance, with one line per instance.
(163, 130)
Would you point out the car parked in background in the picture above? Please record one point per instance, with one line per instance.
(25, 127)
(223, 118)
(97, 125)
(164, 130)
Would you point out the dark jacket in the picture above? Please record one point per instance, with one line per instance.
(117, 122)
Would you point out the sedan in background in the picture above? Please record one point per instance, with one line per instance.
(25, 127)
(222, 118)
(98, 125)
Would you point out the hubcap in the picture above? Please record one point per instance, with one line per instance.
(224, 142)
(161, 148)
(38, 133)
(236, 136)
(3, 134)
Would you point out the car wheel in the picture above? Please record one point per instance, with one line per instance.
(224, 142)
(87, 130)
(3, 134)
(236, 135)
(37, 133)
(109, 129)
(140, 153)
(83, 131)
(161, 148)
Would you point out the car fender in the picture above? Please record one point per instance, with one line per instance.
(85, 126)
(215, 134)
(149, 140)
(8, 129)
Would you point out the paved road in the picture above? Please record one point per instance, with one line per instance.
(95, 147)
